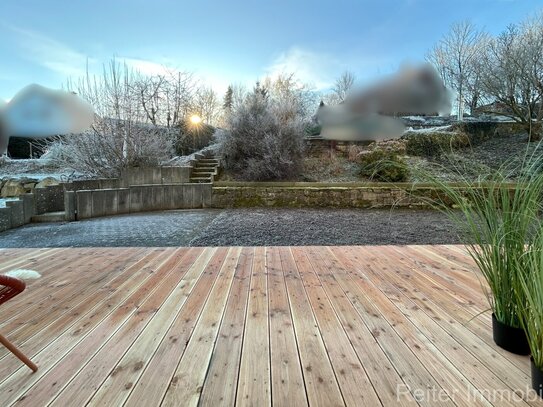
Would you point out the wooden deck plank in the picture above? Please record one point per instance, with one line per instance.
(60, 303)
(463, 348)
(456, 317)
(42, 334)
(156, 377)
(186, 384)
(63, 342)
(352, 378)
(23, 258)
(478, 375)
(222, 376)
(50, 269)
(382, 374)
(116, 388)
(61, 293)
(113, 358)
(287, 381)
(73, 360)
(412, 359)
(255, 326)
(320, 381)
(254, 373)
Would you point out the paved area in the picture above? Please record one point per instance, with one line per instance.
(242, 227)
(171, 228)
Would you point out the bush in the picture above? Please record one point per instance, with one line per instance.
(476, 131)
(434, 143)
(192, 138)
(383, 165)
(111, 146)
(265, 141)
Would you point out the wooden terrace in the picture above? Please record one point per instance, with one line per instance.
(283, 326)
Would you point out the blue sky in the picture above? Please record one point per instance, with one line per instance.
(225, 42)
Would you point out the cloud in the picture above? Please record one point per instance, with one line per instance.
(147, 67)
(321, 69)
(50, 53)
(318, 69)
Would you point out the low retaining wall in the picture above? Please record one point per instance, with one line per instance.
(155, 175)
(135, 176)
(17, 213)
(316, 195)
(143, 198)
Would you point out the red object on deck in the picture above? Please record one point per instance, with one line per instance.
(9, 288)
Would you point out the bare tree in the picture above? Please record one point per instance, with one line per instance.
(513, 74)
(455, 58)
(343, 85)
(286, 89)
(207, 105)
(125, 131)
(178, 93)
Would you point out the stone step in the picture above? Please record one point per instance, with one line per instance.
(208, 161)
(204, 171)
(49, 217)
(198, 180)
(204, 168)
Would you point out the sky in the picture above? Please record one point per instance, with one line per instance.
(222, 42)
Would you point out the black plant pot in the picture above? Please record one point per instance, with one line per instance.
(537, 378)
(511, 339)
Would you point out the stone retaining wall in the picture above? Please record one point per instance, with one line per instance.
(315, 195)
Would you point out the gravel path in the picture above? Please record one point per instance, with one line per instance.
(241, 227)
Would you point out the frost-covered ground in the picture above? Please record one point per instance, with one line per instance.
(37, 169)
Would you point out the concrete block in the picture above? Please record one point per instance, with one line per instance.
(98, 204)
(173, 196)
(147, 198)
(167, 175)
(186, 199)
(17, 213)
(155, 174)
(175, 175)
(197, 190)
(110, 183)
(168, 196)
(109, 201)
(49, 199)
(83, 201)
(136, 198)
(158, 198)
(207, 195)
(85, 185)
(123, 202)
(5, 219)
(69, 205)
(142, 176)
(29, 205)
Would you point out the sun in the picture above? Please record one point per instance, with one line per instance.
(195, 119)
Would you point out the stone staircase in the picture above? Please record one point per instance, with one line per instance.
(205, 169)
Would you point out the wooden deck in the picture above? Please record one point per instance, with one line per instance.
(288, 326)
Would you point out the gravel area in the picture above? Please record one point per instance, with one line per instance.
(296, 227)
(242, 227)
